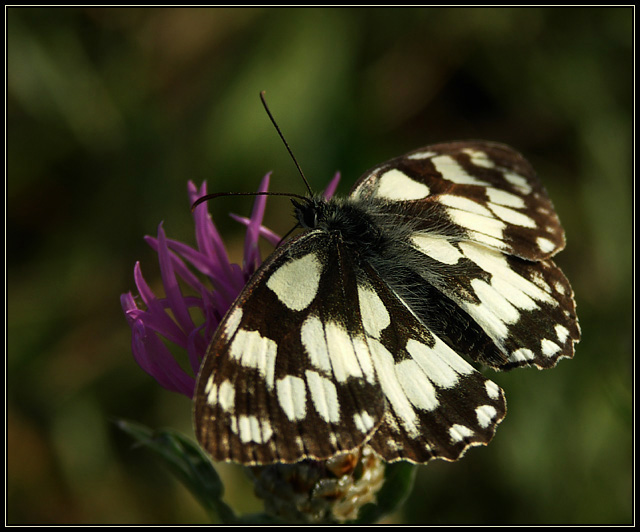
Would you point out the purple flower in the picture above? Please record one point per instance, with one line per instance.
(215, 283)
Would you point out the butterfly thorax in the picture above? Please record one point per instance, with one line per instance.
(345, 219)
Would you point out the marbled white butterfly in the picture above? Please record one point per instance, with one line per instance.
(354, 331)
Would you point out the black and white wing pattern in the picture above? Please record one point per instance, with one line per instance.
(479, 191)
(356, 331)
(288, 374)
(484, 230)
(318, 357)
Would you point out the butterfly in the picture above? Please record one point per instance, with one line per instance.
(362, 328)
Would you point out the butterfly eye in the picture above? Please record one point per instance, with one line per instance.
(307, 214)
(310, 218)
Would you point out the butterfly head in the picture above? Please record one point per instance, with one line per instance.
(330, 215)
(343, 218)
(310, 212)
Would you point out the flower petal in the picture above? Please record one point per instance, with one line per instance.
(202, 263)
(154, 358)
(267, 234)
(151, 354)
(156, 316)
(252, 257)
(196, 347)
(172, 289)
(207, 236)
(332, 186)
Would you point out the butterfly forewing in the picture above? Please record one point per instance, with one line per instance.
(479, 191)
(289, 375)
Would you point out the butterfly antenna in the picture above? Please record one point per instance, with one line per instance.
(273, 121)
(208, 197)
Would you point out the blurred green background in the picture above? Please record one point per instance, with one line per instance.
(111, 111)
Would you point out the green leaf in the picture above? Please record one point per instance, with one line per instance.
(187, 461)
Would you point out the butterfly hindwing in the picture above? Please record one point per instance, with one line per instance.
(500, 310)
(526, 308)
(437, 404)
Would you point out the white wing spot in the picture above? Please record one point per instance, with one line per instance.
(440, 363)
(497, 310)
(464, 204)
(331, 349)
(549, 348)
(324, 396)
(513, 217)
(506, 292)
(416, 385)
(485, 415)
(452, 171)
(493, 390)
(296, 281)
(248, 428)
(292, 396)
(361, 349)
(212, 392)
(252, 350)
(539, 280)
(342, 353)
(226, 396)
(384, 364)
(234, 319)
(562, 333)
(312, 336)
(375, 317)
(553, 229)
(210, 384)
(502, 197)
(476, 223)
(459, 432)
(522, 355)
(496, 264)
(473, 216)
(559, 288)
(363, 421)
(518, 181)
(438, 248)
(545, 245)
(488, 240)
(479, 158)
(397, 185)
(422, 155)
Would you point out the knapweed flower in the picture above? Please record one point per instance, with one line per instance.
(305, 492)
(215, 281)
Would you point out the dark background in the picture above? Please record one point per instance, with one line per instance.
(111, 111)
